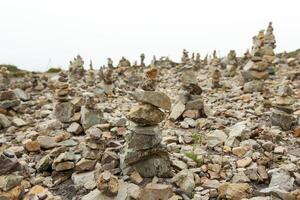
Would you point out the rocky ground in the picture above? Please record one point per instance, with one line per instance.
(69, 135)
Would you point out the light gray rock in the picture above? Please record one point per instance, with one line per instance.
(215, 138)
(185, 180)
(158, 99)
(90, 117)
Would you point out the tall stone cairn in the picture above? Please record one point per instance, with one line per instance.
(262, 56)
(143, 151)
(63, 108)
(76, 69)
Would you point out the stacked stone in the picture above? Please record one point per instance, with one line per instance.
(231, 64)
(143, 151)
(216, 79)
(8, 99)
(76, 69)
(65, 161)
(150, 80)
(185, 57)
(90, 114)
(190, 102)
(63, 108)
(282, 113)
(124, 62)
(197, 62)
(107, 79)
(215, 62)
(4, 78)
(90, 78)
(142, 56)
(262, 56)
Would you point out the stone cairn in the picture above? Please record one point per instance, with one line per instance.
(90, 78)
(197, 62)
(124, 62)
(215, 61)
(63, 108)
(185, 57)
(106, 77)
(143, 151)
(76, 69)
(8, 99)
(142, 56)
(190, 103)
(231, 64)
(90, 114)
(216, 79)
(262, 56)
(282, 112)
(4, 78)
(187, 63)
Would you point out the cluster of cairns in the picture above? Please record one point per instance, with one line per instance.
(197, 129)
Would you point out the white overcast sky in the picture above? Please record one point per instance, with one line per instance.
(33, 32)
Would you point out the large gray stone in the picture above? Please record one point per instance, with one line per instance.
(64, 111)
(9, 163)
(90, 117)
(146, 114)
(142, 138)
(158, 99)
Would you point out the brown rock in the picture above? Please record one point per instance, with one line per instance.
(154, 191)
(234, 191)
(108, 184)
(32, 146)
(136, 178)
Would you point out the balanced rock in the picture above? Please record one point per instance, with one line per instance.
(146, 114)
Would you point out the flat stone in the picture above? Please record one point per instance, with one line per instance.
(234, 191)
(177, 111)
(9, 164)
(47, 142)
(44, 164)
(215, 138)
(194, 105)
(154, 191)
(108, 184)
(141, 138)
(244, 162)
(185, 180)
(19, 122)
(64, 111)
(21, 94)
(63, 166)
(75, 128)
(158, 99)
(90, 118)
(9, 182)
(79, 179)
(4, 121)
(86, 165)
(136, 178)
(146, 114)
(32, 146)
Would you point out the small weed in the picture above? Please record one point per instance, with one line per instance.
(194, 157)
(198, 138)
